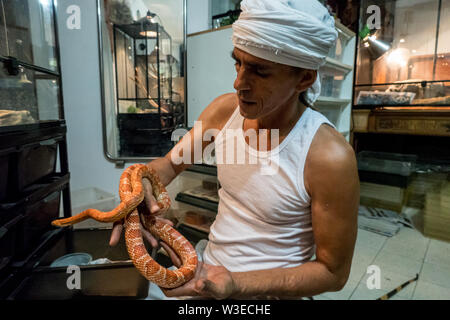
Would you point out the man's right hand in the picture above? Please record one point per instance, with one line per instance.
(150, 202)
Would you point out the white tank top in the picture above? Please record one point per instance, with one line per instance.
(263, 219)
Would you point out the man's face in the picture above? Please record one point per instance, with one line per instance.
(263, 87)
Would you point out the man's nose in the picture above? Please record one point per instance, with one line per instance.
(242, 81)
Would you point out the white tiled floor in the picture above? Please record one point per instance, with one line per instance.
(399, 258)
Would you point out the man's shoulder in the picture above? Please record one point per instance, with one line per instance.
(328, 144)
(329, 154)
(217, 113)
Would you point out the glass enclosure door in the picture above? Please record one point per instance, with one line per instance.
(405, 60)
(29, 29)
(29, 70)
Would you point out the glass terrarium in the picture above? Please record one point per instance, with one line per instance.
(148, 109)
(224, 12)
(29, 71)
(405, 59)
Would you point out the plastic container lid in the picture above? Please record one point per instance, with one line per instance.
(72, 259)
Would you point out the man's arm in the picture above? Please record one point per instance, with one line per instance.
(331, 179)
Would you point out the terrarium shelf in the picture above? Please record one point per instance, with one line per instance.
(163, 129)
(337, 65)
(197, 202)
(163, 114)
(142, 99)
(425, 82)
(331, 102)
(346, 31)
(203, 168)
(417, 107)
(193, 226)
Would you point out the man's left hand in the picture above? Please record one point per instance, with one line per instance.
(209, 281)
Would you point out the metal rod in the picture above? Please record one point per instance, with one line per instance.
(437, 39)
(63, 149)
(117, 70)
(32, 67)
(185, 104)
(147, 80)
(159, 72)
(6, 29)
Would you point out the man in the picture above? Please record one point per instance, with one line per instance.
(269, 226)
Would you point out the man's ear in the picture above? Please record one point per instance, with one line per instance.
(306, 80)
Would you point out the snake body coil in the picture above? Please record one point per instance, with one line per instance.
(131, 195)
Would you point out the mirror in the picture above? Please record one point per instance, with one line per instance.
(142, 65)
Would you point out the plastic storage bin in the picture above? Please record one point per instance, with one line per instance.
(331, 82)
(118, 279)
(8, 237)
(37, 222)
(331, 113)
(4, 165)
(94, 198)
(32, 162)
(36, 161)
(400, 164)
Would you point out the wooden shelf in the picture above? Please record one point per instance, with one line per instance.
(406, 121)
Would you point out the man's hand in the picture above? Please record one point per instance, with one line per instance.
(150, 202)
(209, 281)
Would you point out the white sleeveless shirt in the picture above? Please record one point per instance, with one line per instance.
(264, 213)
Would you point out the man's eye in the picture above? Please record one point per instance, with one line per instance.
(262, 73)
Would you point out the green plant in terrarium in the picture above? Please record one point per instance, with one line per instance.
(132, 109)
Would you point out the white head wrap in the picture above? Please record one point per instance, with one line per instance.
(298, 33)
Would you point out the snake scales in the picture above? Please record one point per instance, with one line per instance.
(131, 195)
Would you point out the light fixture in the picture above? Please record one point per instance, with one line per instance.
(370, 41)
(149, 34)
(376, 47)
(148, 23)
(23, 77)
(398, 58)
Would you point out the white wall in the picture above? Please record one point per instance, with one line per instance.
(82, 100)
(210, 70)
(198, 15)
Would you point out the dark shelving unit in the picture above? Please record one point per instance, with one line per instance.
(33, 153)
